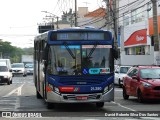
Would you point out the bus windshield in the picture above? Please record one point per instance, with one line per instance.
(79, 59)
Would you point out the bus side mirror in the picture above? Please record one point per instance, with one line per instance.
(44, 55)
(115, 53)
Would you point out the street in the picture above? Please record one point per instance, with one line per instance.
(21, 97)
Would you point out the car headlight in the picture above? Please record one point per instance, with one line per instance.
(146, 84)
(5, 76)
(108, 88)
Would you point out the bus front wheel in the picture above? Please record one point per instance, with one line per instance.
(50, 105)
(100, 104)
(38, 95)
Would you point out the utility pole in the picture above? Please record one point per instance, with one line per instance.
(57, 23)
(115, 22)
(155, 26)
(108, 14)
(52, 26)
(75, 13)
(111, 18)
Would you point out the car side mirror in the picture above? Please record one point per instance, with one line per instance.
(116, 72)
(135, 77)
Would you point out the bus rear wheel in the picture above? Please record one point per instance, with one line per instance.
(100, 104)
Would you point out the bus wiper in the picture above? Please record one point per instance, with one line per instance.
(69, 50)
(92, 50)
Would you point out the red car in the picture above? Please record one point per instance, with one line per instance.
(142, 82)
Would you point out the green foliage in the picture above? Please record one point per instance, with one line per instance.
(13, 53)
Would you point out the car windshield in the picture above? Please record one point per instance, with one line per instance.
(29, 65)
(79, 59)
(3, 69)
(150, 73)
(124, 69)
(17, 66)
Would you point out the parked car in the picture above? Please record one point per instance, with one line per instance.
(142, 82)
(29, 68)
(19, 69)
(120, 72)
(5, 73)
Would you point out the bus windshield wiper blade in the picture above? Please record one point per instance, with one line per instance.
(69, 50)
(92, 50)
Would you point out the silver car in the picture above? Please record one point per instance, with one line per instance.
(29, 68)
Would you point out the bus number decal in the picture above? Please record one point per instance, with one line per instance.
(96, 88)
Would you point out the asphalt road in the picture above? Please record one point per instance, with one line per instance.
(19, 100)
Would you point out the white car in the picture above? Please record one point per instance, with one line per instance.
(5, 74)
(120, 72)
(19, 69)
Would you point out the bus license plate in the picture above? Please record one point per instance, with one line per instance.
(81, 97)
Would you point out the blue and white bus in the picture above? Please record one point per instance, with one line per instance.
(74, 65)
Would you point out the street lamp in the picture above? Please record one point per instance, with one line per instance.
(52, 16)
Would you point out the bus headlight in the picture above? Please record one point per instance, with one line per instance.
(108, 88)
(54, 89)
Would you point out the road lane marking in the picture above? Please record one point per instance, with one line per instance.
(19, 89)
(18, 92)
(123, 106)
(152, 118)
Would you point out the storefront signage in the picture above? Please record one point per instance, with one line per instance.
(137, 37)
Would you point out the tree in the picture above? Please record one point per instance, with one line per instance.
(10, 52)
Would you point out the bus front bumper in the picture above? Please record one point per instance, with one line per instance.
(80, 98)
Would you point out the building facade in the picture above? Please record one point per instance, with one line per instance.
(136, 33)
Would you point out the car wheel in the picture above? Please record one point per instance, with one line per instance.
(8, 82)
(125, 96)
(11, 82)
(100, 104)
(140, 97)
(119, 83)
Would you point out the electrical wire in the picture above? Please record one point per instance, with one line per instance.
(110, 22)
(112, 11)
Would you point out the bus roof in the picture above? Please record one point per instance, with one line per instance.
(71, 29)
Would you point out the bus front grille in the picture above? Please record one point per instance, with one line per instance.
(89, 96)
(82, 81)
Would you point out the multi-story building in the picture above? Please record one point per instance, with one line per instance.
(136, 23)
(95, 18)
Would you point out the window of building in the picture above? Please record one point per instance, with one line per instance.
(125, 19)
(139, 50)
(137, 15)
(150, 10)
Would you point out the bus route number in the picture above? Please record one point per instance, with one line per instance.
(96, 88)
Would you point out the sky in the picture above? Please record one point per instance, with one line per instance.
(19, 19)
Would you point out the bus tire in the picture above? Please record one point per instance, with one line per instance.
(38, 95)
(100, 104)
(50, 105)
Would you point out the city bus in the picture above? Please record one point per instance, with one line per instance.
(74, 65)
